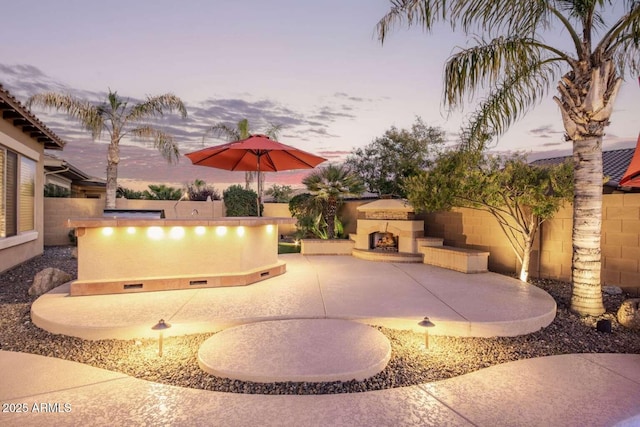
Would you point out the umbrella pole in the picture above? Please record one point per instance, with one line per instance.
(258, 200)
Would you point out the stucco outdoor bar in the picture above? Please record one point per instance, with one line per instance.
(121, 255)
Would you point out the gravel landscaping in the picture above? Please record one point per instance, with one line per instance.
(410, 364)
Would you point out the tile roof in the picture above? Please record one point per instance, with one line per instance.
(11, 109)
(614, 164)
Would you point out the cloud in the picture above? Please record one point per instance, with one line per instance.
(141, 161)
(545, 131)
(334, 154)
(343, 95)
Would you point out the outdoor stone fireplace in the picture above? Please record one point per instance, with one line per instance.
(387, 227)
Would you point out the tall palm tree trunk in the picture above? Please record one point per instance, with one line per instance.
(113, 158)
(587, 222)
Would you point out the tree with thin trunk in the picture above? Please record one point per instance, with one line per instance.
(518, 195)
(329, 185)
(237, 133)
(399, 153)
(515, 67)
(119, 119)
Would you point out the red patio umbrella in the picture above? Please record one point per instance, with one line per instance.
(631, 177)
(258, 153)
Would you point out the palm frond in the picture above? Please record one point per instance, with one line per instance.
(623, 40)
(482, 66)
(273, 131)
(84, 112)
(411, 12)
(156, 106)
(222, 130)
(515, 17)
(163, 142)
(511, 99)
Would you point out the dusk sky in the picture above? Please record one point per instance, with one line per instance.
(316, 68)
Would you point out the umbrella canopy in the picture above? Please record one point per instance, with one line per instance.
(258, 153)
(631, 177)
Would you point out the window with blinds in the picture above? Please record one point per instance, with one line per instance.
(11, 196)
(3, 192)
(26, 218)
(17, 193)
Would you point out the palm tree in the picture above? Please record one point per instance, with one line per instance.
(242, 131)
(329, 185)
(119, 119)
(518, 67)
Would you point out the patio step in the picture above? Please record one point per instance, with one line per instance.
(459, 259)
(371, 255)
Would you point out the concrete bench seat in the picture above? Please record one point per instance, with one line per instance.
(458, 259)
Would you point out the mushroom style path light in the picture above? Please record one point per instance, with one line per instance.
(160, 326)
(426, 324)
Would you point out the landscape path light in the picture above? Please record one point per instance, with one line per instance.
(426, 324)
(160, 326)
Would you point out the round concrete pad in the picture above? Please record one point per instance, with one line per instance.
(310, 350)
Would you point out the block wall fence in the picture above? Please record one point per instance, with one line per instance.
(551, 257)
(465, 228)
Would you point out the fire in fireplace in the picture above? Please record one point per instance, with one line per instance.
(385, 242)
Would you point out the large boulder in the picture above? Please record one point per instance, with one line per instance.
(628, 314)
(48, 279)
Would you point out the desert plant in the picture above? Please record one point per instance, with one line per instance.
(329, 186)
(311, 222)
(162, 192)
(130, 194)
(198, 190)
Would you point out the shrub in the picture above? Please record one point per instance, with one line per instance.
(280, 193)
(240, 202)
(52, 190)
(129, 194)
(198, 190)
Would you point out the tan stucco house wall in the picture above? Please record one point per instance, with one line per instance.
(23, 134)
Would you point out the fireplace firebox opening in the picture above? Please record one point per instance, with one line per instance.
(383, 241)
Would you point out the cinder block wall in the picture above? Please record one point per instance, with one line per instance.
(551, 257)
(470, 228)
(620, 240)
(58, 210)
(280, 210)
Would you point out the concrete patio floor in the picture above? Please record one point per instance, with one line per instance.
(394, 295)
(567, 390)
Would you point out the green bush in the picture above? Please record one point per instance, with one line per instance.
(129, 194)
(52, 190)
(311, 222)
(240, 202)
(72, 237)
(162, 192)
(280, 193)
